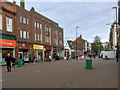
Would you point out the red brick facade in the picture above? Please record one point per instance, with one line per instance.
(30, 27)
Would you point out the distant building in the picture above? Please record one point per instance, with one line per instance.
(105, 46)
(113, 37)
(82, 46)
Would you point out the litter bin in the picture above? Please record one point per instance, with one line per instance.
(4, 63)
(106, 58)
(88, 63)
(20, 63)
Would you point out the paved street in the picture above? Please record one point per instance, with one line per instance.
(63, 74)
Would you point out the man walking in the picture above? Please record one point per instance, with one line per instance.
(8, 60)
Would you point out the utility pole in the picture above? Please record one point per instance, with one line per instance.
(76, 44)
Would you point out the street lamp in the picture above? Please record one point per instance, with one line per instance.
(76, 44)
(116, 28)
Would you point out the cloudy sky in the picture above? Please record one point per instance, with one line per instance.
(90, 17)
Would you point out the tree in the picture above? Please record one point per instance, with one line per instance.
(97, 45)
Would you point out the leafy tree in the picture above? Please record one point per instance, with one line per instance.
(97, 45)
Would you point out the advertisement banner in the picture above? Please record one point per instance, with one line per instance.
(7, 43)
(35, 46)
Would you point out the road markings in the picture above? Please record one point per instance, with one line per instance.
(67, 84)
(36, 72)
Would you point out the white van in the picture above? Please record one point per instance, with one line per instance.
(109, 54)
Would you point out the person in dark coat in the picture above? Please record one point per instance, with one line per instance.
(13, 60)
(8, 60)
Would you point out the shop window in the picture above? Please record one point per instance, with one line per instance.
(0, 22)
(24, 34)
(27, 35)
(20, 33)
(35, 36)
(9, 24)
(24, 20)
(20, 18)
(27, 21)
(38, 37)
(37, 25)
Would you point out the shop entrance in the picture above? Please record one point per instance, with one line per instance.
(25, 55)
(47, 55)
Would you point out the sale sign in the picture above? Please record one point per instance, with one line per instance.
(7, 43)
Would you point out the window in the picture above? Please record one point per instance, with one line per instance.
(27, 21)
(55, 41)
(56, 32)
(20, 33)
(24, 20)
(60, 42)
(37, 25)
(9, 24)
(40, 26)
(27, 35)
(0, 21)
(24, 34)
(35, 36)
(47, 30)
(38, 37)
(20, 18)
(60, 34)
(47, 39)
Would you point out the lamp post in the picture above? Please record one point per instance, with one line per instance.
(76, 44)
(116, 29)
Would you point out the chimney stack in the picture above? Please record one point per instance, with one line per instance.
(22, 3)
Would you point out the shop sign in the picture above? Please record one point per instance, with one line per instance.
(7, 43)
(48, 47)
(38, 47)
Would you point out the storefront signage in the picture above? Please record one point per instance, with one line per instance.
(35, 46)
(48, 47)
(7, 43)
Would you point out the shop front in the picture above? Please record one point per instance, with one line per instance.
(24, 52)
(58, 51)
(7, 45)
(38, 52)
(48, 53)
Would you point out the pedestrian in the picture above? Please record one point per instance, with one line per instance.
(13, 60)
(94, 55)
(69, 57)
(8, 60)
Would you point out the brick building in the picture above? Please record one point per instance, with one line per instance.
(82, 46)
(7, 29)
(36, 36)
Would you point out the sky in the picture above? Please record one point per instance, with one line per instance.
(90, 17)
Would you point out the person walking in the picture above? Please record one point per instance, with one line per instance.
(69, 57)
(8, 60)
(13, 60)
